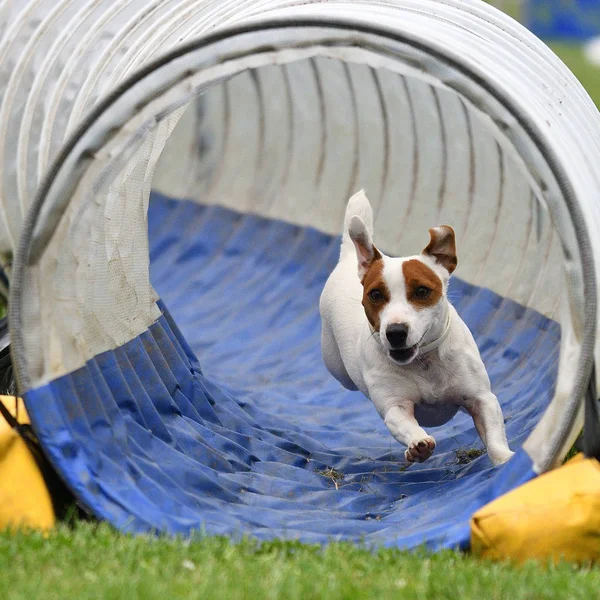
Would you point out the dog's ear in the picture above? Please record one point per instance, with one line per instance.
(442, 247)
(365, 250)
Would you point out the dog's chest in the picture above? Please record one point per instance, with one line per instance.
(430, 380)
(435, 395)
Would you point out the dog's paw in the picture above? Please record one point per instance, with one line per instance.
(420, 450)
(500, 456)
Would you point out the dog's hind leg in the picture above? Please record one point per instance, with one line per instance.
(333, 359)
(489, 422)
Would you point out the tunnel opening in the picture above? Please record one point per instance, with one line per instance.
(241, 231)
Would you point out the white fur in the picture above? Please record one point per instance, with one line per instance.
(429, 390)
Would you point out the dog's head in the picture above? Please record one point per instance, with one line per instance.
(404, 298)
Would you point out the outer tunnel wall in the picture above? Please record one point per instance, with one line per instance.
(312, 130)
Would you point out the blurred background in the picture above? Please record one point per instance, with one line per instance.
(570, 27)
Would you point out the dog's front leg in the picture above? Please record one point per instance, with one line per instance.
(401, 423)
(489, 422)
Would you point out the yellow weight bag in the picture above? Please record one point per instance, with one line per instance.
(32, 495)
(555, 516)
(24, 497)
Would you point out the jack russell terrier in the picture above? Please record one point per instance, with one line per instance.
(392, 334)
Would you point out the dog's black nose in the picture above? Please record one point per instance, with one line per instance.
(397, 334)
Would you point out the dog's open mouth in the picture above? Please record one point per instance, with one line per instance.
(404, 355)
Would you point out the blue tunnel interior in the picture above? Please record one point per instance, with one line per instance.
(222, 418)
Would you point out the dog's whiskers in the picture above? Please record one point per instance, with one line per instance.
(372, 334)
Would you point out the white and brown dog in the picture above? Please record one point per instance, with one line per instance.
(392, 334)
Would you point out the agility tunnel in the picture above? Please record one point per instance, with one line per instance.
(173, 181)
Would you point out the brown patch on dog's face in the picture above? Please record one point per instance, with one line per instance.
(423, 287)
(375, 292)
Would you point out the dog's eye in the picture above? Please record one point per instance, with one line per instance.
(376, 295)
(422, 292)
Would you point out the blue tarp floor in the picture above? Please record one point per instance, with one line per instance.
(255, 437)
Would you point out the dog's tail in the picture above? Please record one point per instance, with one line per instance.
(360, 206)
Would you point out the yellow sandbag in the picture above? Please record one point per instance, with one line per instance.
(555, 516)
(24, 498)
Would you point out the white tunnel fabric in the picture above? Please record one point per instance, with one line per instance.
(93, 326)
(399, 118)
(407, 150)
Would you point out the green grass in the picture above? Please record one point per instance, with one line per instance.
(465, 455)
(95, 562)
(588, 74)
(570, 454)
(571, 55)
